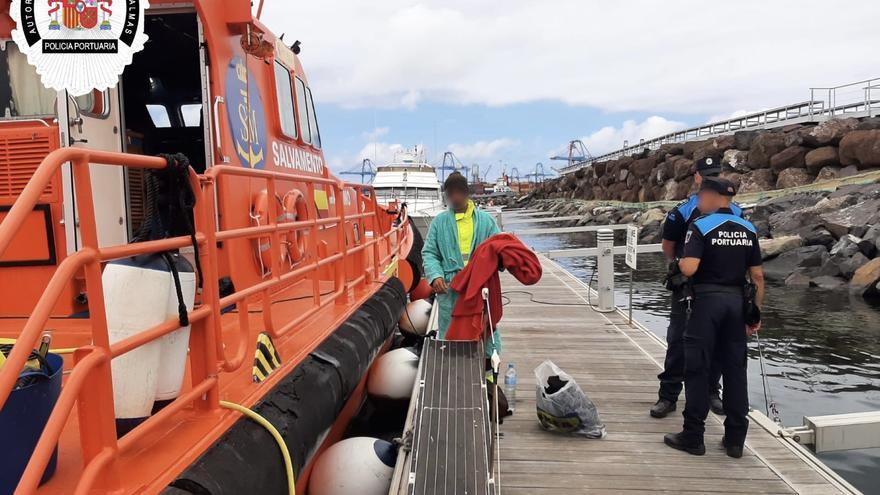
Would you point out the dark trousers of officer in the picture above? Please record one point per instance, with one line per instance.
(716, 329)
(672, 377)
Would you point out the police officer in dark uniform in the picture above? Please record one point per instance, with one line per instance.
(720, 250)
(674, 229)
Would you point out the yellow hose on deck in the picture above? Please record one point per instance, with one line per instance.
(288, 463)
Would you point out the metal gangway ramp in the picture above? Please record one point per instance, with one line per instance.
(617, 364)
(447, 444)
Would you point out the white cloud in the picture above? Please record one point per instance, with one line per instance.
(686, 56)
(481, 150)
(378, 152)
(375, 134)
(611, 138)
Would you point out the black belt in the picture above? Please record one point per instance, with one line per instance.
(736, 290)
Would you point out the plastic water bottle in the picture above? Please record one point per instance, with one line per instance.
(510, 386)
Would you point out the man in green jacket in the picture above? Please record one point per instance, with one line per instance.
(453, 236)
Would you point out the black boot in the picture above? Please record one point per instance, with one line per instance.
(678, 442)
(662, 407)
(735, 451)
(716, 404)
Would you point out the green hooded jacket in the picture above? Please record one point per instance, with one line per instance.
(442, 258)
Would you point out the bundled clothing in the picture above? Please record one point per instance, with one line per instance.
(442, 253)
(499, 251)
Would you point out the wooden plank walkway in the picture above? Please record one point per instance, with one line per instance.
(616, 365)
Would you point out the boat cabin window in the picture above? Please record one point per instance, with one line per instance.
(302, 111)
(284, 92)
(162, 91)
(22, 95)
(313, 121)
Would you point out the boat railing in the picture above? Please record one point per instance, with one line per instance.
(89, 384)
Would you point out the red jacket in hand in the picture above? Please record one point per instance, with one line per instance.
(499, 251)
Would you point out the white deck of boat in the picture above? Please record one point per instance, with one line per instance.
(617, 365)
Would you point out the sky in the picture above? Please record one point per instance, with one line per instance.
(509, 84)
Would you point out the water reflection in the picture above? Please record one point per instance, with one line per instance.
(821, 348)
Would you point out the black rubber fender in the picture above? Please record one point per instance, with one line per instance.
(303, 407)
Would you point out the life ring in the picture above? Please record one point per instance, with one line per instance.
(260, 218)
(295, 209)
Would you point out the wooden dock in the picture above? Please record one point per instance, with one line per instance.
(617, 365)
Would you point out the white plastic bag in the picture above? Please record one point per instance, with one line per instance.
(565, 408)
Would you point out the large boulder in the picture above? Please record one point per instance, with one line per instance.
(736, 159)
(793, 157)
(763, 147)
(845, 248)
(830, 132)
(818, 158)
(757, 181)
(818, 236)
(828, 173)
(840, 222)
(861, 148)
(682, 167)
(654, 215)
(714, 147)
(848, 267)
(770, 248)
(826, 282)
(849, 171)
(742, 140)
(684, 187)
(669, 190)
(793, 177)
(692, 146)
(806, 257)
(865, 279)
(642, 168)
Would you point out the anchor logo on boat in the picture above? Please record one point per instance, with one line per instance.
(246, 119)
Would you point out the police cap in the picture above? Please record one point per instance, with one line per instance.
(722, 186)
(709, 166)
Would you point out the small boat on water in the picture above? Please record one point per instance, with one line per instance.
(409, 179)
(182, 245)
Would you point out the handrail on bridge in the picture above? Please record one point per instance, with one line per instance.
(207, 359)
(830, 105)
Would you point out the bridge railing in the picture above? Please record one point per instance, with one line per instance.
(860, 98)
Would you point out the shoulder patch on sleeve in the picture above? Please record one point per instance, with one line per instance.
(687, 236)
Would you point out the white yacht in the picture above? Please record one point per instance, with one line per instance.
(410, 179)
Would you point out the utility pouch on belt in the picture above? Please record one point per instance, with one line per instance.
(751, 311)
(675, 280)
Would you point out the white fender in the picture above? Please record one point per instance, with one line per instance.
(354, 466)
(415, 317)
(135, 297)
(394, 374)
(174, 346)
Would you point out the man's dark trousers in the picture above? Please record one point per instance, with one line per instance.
(672, 377)
(716, 328)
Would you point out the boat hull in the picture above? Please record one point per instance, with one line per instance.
(305, 406)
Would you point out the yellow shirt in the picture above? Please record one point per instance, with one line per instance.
(465, 223)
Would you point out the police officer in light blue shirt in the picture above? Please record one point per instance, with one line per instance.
(721, 249)
(674, 229)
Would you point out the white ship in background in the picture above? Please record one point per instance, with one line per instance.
(411, 180)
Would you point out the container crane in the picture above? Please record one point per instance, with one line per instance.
(367, 169)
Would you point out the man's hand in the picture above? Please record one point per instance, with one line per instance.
(753, 329)
(439, 285)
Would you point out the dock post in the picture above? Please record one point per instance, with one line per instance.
(605, 267)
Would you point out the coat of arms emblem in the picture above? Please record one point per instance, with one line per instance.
(79, 45)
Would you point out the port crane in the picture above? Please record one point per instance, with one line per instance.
(367, 170)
